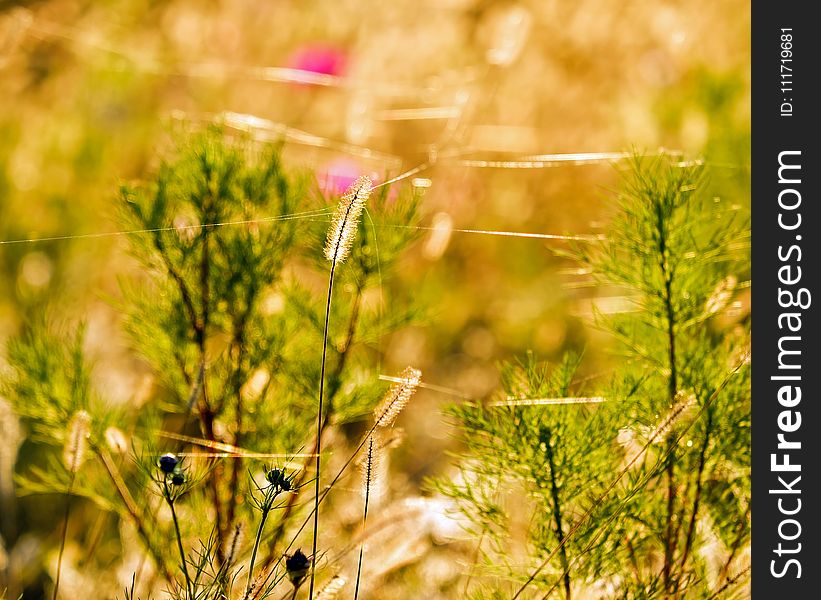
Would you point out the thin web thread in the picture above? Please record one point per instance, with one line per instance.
(296, 216)
(311, 215)
(105, 234)
(551, 160)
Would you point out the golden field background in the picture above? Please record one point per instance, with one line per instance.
(484, 92)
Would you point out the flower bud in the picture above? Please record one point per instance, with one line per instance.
(274, 476)
(168, 463)
(297, 566)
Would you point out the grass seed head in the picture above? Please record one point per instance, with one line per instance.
(116, 440)
(374, 468)
(332, 589)
(397, 397)
(684, 402)
(721, 296)
(74, 451)
(342, 231)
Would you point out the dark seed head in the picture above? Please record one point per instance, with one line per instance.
(297, 567)
(178, 479)
(285, 484)
(273, 476)
(168, 462)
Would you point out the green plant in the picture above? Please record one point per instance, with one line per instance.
(225, 317)
(632, 488)
(338, 244)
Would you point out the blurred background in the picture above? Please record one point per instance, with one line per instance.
(517, 110)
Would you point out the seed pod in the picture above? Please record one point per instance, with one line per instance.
(297, 566)
(168, 463)
(274, 476)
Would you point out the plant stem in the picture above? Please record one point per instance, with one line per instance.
(725, 570)
(131, 508)
(64, 535)
(344, 352)
(239, 345)
(201, 337)
(254, 552)
(337, 372)
(670, 314)
(185, 293)
(730, 582)
(365, 515)
(207, 423)
(319, 424)
(557, 516)
(669, 542)
(702, 459)
(179, 540)
(633, 561)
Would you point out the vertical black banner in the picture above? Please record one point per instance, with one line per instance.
(786, 422)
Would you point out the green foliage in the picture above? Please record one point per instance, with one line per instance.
(227, 315)
(50, 381)
(556, 456)
(648, 493)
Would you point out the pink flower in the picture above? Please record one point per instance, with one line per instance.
(338, 175)
(319, 57)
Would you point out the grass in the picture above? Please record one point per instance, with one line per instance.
(212, 318)
(665, 489)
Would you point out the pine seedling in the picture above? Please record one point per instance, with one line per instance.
(218, 314)
(554, 455)
(682, 254)
(680, 392)
(222, 227)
